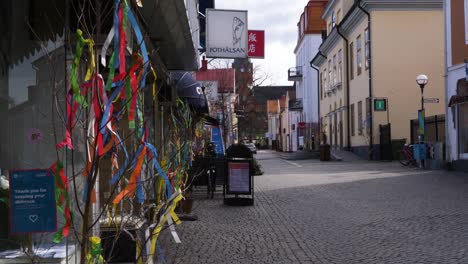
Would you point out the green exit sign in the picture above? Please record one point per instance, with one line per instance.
(380, 104)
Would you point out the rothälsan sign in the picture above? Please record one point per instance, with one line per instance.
(226, 33)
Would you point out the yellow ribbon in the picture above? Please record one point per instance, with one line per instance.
(169, 213)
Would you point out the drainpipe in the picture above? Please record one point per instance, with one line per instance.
(371, 142)
(348, 117)
(318, 94)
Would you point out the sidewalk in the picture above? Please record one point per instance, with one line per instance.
(299, 155)
(343, 155)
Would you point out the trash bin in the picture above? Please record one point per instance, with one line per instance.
(324, 152)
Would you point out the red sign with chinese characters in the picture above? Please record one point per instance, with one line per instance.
(256, 44)
(302, 125)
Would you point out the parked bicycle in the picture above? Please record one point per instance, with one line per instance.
(407, 157)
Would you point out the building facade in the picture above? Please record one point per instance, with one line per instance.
(309, 29)
(373, 51)
(220, 88)
(456, 55)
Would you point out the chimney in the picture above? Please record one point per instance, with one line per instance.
(204, 66)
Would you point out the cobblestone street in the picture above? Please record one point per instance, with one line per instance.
(337, 212)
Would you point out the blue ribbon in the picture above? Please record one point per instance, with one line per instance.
(140, 39)
(106, 114)
(124, 167)
(159, 169)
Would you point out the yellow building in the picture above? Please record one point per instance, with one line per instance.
(372, 53)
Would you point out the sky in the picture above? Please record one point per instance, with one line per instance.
(279, 20)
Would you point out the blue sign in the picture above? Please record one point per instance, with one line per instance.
(419, 151)
(32, 201)
(217, 139)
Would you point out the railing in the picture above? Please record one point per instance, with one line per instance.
(295, 104)
(295, 73)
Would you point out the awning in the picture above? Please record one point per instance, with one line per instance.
(458, 99)
(211, 121)
(189, 90)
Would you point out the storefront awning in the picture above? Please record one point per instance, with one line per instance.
(211, 121)
(190, 91)
(458, 99)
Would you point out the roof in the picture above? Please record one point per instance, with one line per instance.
(225, 78)
(264, 93)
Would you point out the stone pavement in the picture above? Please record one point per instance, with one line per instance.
(309, 211)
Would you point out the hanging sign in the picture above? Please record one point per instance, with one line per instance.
(256, 43)
(380, 104)
(226, 33)
(32, 201)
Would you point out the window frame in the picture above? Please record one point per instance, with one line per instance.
(325, 83)
(367, 48)
(335, 79)
(340, 66)
(321, 85)
(358, 55)
(351, 63)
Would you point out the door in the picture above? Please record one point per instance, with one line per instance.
(335, 126)
(341, 130)
(385, 142)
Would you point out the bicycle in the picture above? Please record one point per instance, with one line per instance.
(407, 157)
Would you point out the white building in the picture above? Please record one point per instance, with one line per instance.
(309, 38)
(456, 54)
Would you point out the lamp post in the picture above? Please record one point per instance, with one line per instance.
(421, 80)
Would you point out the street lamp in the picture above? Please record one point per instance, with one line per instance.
(421, 80)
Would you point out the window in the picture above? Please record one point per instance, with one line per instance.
(360, 127)
(325, 83)
(368, 113)
(335, 81)
(340, 66)
(367, 48)
(358, 55)
(352, 120)
(333, 17)
(466, 22)
(321, 86)
(330, 80)
(329, 28)
(351, 61)
(338, 16)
